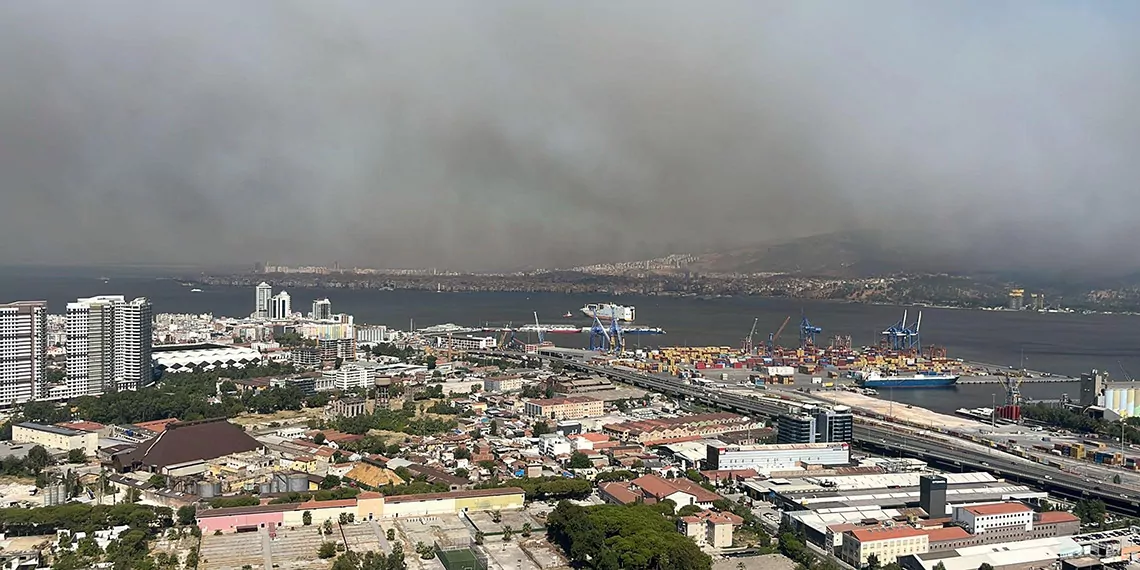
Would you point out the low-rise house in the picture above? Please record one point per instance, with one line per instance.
(711, 528)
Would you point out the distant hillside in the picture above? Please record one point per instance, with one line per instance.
(838, 254)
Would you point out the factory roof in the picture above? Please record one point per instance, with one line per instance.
(1052, 517)
(946, 533)
(81, 426)
(998, 509)
(455, 495)
(50, 429)
(188, 441)
(885, 533)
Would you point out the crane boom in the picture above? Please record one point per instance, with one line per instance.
(781, 329)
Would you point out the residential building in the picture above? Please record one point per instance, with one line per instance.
(91, 345)
(466, 342)
(653, 489)
(887, 543)
(378, 333)
(264, 296)
(56, 437)
(502, 383)
(571, 408)
(776, 457)
(322, 310)
(332, 349)
(306, 356)
(710, 528)
(350, 377)
(816, 425)
(553, 445)
(134, 331)
(280, 307)
(23, 351)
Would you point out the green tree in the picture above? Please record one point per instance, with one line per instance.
(330, 482)
(307, 518)
(873, 562)
(38, 458)
(507, 532)
(462, 453)
(186, 515)
(327, 550)
(88, 548)
(327, 526)
(319, 439)
(343, 519)
(688, 510)
(940, 566)
(76, 456)
(192, 558)
(391, 535)
(494, 429)
(540, 428)
(985, 566)
(157, 481)
(579, 460)
(479, 537)
(526, 529)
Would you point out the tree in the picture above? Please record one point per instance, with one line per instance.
(327, 550)
(985, 566)
(330, 482)
(479, 537)
(461, 472)
(579, 460)
(1116, 479)
(157, 481)
(307, 518)
(688, 510)
(462, 453)
(343, 518)
(507, 532)
(192, 558)
(186, 515)
(133, 495)
(327, 526)
(391, 535)
(540, 428)
(873, 562)
(940, 566)
(319, 439)
(494, 430)
(526, 529)
(496, 517)
(76, 456)
(38, 458)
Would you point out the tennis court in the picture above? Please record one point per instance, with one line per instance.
(460, 560)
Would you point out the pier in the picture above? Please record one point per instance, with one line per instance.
(1027, 380)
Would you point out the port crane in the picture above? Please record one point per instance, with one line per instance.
(808, 332)
(606, 339)
(747, 346)
(900, 337)
(773, 337)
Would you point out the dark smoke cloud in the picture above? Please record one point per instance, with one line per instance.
(499, 134)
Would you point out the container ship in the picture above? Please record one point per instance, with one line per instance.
(609, 312)
(874, 379)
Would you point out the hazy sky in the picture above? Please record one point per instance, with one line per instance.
(492, 134)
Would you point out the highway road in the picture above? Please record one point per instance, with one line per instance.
(893, 438)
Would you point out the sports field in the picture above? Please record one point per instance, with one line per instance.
(459, 560)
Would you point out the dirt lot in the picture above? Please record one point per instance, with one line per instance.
(767, 562)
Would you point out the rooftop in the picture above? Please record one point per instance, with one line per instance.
(50, 429)
(998, 509)
(885, 533)
(189, 441)
(564, 401)
(81, 426)
(455, 495)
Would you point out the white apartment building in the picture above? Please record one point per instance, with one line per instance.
(378, 333)
(502, 383)
(553, 445)
(981, 518)
(264, 293)
(322, 310)
(134, 330)
(350, 376)
(466, 342)
(281, 306)
(23, 351)
(109, 344)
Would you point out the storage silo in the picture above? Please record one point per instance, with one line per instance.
(206, 490)
(1110, 397)
(217, 488)
(280, 482)
(298, 483)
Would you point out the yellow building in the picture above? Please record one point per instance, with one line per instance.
(886, 543)
(453, 502)
(55, 437)
(571, 408)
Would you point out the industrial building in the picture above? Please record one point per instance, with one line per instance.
(502, 384)
(55, 437)
(1092, 388)
(366, 506)
(776, 457)
(572, 408)
(816, 425)
(185, 442)
(196, 357)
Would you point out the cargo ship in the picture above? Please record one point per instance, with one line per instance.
(609, 312)
(874, 379)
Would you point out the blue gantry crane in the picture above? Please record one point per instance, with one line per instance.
(807, 332)
(903, 337)
(608, 339)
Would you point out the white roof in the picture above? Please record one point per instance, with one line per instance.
(1008, 553)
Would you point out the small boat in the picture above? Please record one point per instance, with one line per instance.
(568, 315)
(195, 290)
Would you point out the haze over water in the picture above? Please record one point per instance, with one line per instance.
(1059, 343)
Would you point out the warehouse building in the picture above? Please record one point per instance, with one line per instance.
(55, 437)
(572, 408)
(202, 357)
(778, 457)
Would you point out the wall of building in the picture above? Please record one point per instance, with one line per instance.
(228, 524)
(87, 441)
(498, 503)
